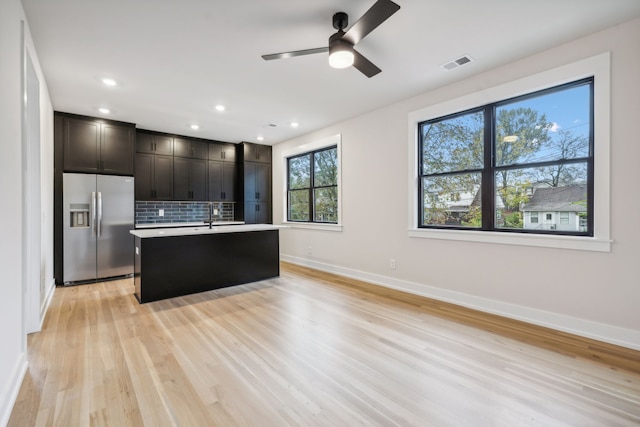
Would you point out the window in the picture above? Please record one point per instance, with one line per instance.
(564, 218)
(312, 186)
(487, 168)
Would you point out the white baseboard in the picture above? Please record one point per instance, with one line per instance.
(10, 393)
(44, 308)
(586, 328)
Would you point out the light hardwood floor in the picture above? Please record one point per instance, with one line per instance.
(312, 349)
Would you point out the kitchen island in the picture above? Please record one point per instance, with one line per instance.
(180, 261)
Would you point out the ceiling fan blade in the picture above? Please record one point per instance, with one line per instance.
(295, 53)
(365, 66)
(379, 12)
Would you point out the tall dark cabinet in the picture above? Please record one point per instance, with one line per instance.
(153, 167)
(256, 175)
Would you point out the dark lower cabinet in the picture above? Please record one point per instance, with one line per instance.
(189, 179)
(154, 177)
(257, 213)
(167, 267)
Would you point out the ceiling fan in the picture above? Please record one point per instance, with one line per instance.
(341, 51)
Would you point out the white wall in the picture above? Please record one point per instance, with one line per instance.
(594, 294)
(13, 360)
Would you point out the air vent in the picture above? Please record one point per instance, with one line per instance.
(456, 63)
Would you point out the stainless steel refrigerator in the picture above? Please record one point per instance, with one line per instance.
(99, 211)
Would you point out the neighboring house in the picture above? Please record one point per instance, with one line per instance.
(457, 204)
(500, 208)
(557, 208)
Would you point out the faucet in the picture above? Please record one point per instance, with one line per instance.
(210, 220)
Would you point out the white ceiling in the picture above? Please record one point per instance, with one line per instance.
(175, 60)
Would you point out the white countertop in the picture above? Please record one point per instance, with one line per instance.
(186, 224)
(203, 229)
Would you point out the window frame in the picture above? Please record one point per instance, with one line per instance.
(489, 169)
(311, 189)
(317, 145)
(597, 67)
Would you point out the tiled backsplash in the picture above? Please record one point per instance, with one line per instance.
(176, 212)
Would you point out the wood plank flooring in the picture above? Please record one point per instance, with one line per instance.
(312, 349)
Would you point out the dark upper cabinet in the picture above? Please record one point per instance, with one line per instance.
(154, 177)
(222, 151)
(189, 179)
(256, 153)
(222, 181)
(190, 148)
(97, 146)
(117, 149)
(154, 144)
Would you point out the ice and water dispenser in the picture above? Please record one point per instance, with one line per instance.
(79, 215)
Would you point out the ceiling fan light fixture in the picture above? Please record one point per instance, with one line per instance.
(341, 54)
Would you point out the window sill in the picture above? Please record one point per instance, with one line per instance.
(542, 241)
(313, 226)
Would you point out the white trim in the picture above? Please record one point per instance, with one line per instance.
(313, 226)
(585, 328)
(10, 393)
(44, 308)
(596, 66)
(305, 148)
(536, 240)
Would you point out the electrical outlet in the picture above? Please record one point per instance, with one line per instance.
(215, 211)
(392, 264)
(160, 212)
(309, 251)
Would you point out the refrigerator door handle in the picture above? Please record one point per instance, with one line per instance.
(99, 224)
(93, 214)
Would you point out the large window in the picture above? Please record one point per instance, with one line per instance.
(502, 166)
(312, 186)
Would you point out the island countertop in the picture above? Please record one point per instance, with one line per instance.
(203, 229)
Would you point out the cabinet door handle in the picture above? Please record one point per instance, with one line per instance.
(257, 208)
(223, 155)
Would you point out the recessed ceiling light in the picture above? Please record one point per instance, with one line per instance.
(104, 110)
(260, 138)
(294, 124)
(195, 127)
(220, 107)
(109, 82)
